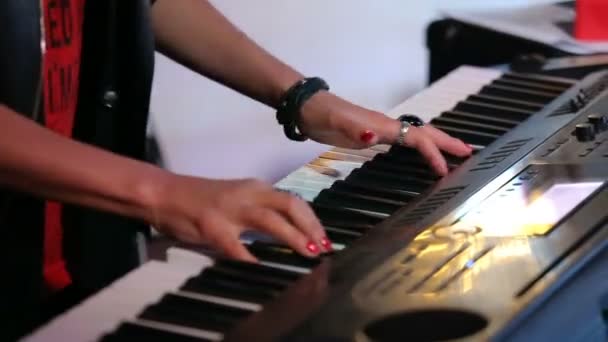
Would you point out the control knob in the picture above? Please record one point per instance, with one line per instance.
(584, 132)
(599, 122)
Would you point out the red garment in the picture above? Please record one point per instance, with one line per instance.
(60, 67)
(591, 20)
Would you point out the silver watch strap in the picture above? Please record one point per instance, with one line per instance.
(405, 127)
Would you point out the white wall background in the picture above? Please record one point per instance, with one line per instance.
(371, 52)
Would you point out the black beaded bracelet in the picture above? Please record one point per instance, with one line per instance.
(288, 112)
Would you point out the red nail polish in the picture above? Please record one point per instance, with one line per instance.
(367, 136)
(312, 247)
(326, 243)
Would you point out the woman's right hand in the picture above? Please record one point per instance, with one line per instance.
(216, 212)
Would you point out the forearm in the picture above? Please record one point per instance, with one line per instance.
(38, 161)
(196, 35)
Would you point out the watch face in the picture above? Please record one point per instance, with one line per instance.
(412, 120)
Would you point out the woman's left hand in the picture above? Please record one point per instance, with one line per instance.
(329, 119)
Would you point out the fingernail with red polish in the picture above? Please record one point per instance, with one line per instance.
(367, 136)
(312, 247)
(326, 243)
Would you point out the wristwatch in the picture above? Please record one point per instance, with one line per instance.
(407, 121)
(412, 120)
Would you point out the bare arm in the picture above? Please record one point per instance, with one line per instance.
(195, 34)
(38, 161)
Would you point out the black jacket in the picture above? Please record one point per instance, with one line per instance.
(117, 55)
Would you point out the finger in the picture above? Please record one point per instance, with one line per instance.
(276, 225)
(299, 213)
(390, 131)
(448, 143)
(426, 146)
(181, 230)
(225, 239)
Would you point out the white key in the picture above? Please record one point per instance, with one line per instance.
(120, 301)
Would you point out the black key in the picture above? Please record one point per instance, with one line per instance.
(506, 102)
(341, 236)
(479, 127)
(345, 199)
(258, 269)
(483, 119)
(216, 285)
(412, 158)
(281, 255)
(468, 136)
(391, 180)
(361, 181)
(407, 153)
(390, 162)
(564, 85)
(556, 91)
(129, 332)
(340, 217)
(493, 110)
(518, 94)
(194, 313)
(368, 190)
(249, 278)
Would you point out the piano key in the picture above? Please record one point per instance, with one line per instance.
(308, 181)
(368, 153)
(415, 163)
(357, 201)
(516, 93)
(392, 180)
(258, 279)
(128, 332)
(527, 85)
(565, 84)
(307, 194)
(341, 236)
(248, 268)
(480, 119)
(325, 176)
(362, 189)
(292, 268)
(218, 286)
(279, 254)
(227, 300)
(393, 162)
(181, 329)
(395, 165)
(334, 155)
(469, 136)
(343, 167)
(363, 182)
(411, 157)
(198, 314)
(457, 123)
(340, 217)
(506, 102)
(493, 110)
